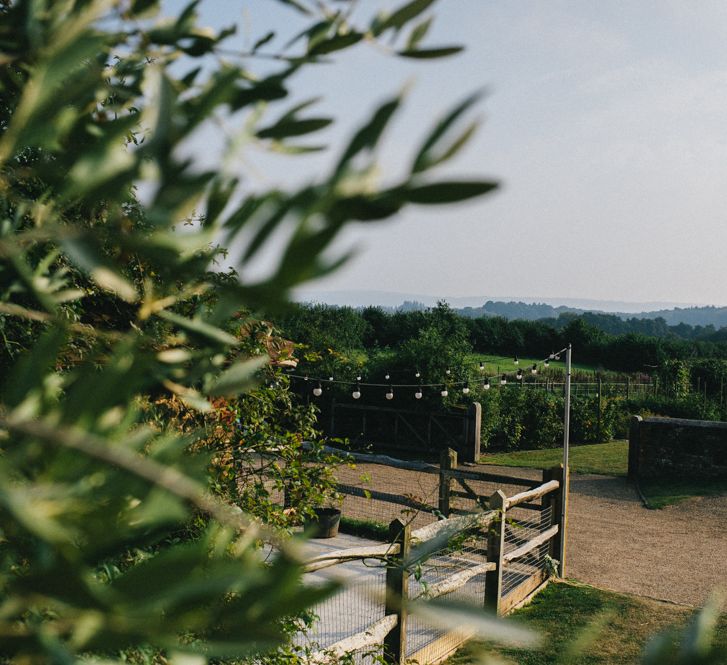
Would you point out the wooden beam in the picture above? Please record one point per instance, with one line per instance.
(384, 496)
(531, 544)
(443, 647)
(456, 581)
(532, 494)
(350, 554)
(371, 637)
(493, 478)
(521, 593)
(453, 525)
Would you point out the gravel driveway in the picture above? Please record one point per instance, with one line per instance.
(678, 553)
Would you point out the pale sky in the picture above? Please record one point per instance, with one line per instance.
(605, 122)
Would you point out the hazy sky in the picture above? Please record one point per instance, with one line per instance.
(605, 122)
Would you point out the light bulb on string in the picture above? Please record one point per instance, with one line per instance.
(418, 393)
(519, 375)
(305, 378)
(356, 394)
(418, 374)
(387, 377)
(448, 371)
(318, 390)
(503, 380)
(466, 390)
(546, 362)
(444, 392)
(486, 384)
(330, 379)
(358, 378)
(534, 369)
(516, 361)
(390, 394)
(482, 366)
(552, 355)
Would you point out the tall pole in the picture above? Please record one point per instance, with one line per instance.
(566, 452)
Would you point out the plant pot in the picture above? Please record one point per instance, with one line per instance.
(325, 524)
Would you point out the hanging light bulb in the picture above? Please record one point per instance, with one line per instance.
(552, 355)
(330, 378)
(486, 384)
(356, 394)
(444, 392)
(519, 375)
(390, 394)
(418, 393)
(546, 362)
(318, 391)
(557, 356)
(466, 390)
(534, 369)
(482, 366)
(387, 377)
(418, 374)
(305, 378)
(503, 380)
(449, 371)
(516, 361)
(358, 378)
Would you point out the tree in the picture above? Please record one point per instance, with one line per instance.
(111, 540)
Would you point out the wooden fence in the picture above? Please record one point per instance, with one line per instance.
(516, 556)
(422, 432)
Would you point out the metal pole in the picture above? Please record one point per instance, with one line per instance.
(566, 412)
(566, 451)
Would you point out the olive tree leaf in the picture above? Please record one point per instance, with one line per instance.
(425, 157)
(238, 378)
(430, 53)
(448, 192)
(402, 16)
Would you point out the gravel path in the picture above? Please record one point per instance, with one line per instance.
(678, 553)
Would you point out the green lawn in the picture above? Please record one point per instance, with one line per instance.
(507, 363)
(660, 493)
(584, 625)
(609, 459)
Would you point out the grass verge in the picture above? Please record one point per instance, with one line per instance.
(364, 528)
(609, 459)
(666, 492)
(584, 625)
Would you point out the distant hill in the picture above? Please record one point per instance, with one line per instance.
(527, 308)
(693, 316)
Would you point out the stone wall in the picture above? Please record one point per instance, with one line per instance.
(675, 447)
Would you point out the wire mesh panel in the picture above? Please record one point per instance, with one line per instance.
(428, 580)
(535, 563)
(358, 605)
(419, 490)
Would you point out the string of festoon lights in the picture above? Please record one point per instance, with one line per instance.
(444, 387)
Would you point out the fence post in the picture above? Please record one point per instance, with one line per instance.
(560, 516)
(600, 408)
(447, 462)
(397, 592)
(634, 443)
(472, 433)
(495, 550)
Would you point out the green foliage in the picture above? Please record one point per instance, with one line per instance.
(585, 625)
(114, 313)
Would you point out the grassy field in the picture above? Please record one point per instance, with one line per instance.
(584, 625)
(608, 459)
(507, 363)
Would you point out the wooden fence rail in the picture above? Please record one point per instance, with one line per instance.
(405, 547)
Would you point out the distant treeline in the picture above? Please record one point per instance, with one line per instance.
(686, 323)
(603, 340)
